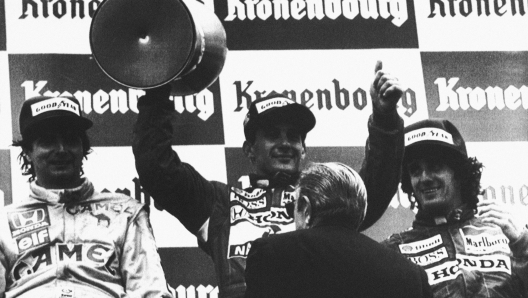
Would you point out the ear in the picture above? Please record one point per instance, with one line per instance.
(307, 210)
(27, 156)
(248, 151)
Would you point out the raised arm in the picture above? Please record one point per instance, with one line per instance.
(381, 168)
(174, 185)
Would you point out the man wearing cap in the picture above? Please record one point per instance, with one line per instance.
(226, 219)
(327, 256)
(66, 239)
(467, 248)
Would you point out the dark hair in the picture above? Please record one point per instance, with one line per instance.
(468, 170)
(26, 144)
(336, 193)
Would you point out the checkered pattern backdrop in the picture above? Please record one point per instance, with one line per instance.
(465, 60)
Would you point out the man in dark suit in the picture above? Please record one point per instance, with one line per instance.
(327, 256)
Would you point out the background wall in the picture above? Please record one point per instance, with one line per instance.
(465, 60)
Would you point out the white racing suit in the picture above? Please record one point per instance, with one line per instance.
(78, 243)
(466, 257)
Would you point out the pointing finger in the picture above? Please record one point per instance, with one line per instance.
(379, 66)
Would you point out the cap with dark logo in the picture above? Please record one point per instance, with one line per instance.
(277, 109)
(430, 136)
(62, 111)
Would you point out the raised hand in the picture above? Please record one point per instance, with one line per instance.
(490, 212)
(385, 91)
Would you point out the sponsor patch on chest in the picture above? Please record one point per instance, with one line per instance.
(419, 246)
(450, 270)
(483, 240)
(254, 214)
(95, 255)
(430, 257)
(29, 227)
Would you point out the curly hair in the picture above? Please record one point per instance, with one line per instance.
(468, 170)
(26, 144)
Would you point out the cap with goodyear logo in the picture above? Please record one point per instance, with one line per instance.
(277, 109)
(431, 136)
(61, 111)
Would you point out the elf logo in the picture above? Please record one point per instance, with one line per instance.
(33, 240)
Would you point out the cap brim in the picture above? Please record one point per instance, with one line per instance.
(57, 122)
(296, 115)
(431, 149)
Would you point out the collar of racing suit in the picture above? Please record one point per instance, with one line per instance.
(280, 179)
(65, 196)
(462, 213)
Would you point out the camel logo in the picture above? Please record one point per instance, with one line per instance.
(103, 219)
(21, 222)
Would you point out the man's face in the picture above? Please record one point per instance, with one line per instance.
(56, 158)
(435, 187)
(277, 148)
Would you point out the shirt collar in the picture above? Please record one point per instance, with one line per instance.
(70, 195)
(279, 179)
(460, 214)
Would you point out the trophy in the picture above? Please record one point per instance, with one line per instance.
(144, 44)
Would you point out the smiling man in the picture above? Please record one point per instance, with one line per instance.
(66, 239)
(463, 255)
(226, 219)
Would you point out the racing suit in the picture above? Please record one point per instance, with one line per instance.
(465, 257)
(226, 219)
(78, 243)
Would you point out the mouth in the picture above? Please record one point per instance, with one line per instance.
(60, 162)
(431, 190)
(283, 157)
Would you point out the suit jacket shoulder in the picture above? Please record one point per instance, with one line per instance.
(330, 261)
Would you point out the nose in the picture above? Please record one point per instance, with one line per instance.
(61, 146)
(425, 174)
(284, 139)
